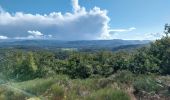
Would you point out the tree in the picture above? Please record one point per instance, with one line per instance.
(161, 50)
(27, 69)
(143, 62)
(78, 67)
(45, 62)
(167, 30)
(121, 61)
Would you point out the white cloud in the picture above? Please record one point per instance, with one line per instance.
(76, 6)
(77, 25)
(117, 33)
(35, 33)
(122, 30)
(3, 37)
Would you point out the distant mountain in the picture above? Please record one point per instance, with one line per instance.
(83, 44)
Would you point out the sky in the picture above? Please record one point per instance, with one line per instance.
(83, 19)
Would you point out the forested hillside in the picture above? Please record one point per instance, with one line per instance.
(102, 75)
(83, 45)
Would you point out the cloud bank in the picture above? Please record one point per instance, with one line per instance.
(77, 25)
(3, 37)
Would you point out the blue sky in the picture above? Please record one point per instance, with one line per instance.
(125, 19)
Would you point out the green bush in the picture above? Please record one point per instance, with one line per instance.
(160, 49)
(11, 94)
(108, 94)
(125, 77)
(146, 83)
(57, 92)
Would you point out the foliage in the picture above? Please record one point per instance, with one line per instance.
(161, 50)
(148, 84)
(57, 92)
(124, 77)
(108, 94)
(94, 75)
(23, 65)
(144, 63)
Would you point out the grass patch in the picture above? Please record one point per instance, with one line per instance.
(147, 84)
(108, 94)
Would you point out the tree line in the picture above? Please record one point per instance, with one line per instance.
(25, 65)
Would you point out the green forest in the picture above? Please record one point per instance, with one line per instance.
(139, 74)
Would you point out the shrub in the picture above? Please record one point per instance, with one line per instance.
(11, 94)
(57, 92)
(108, 94)
(147, 84)
(125, 77)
